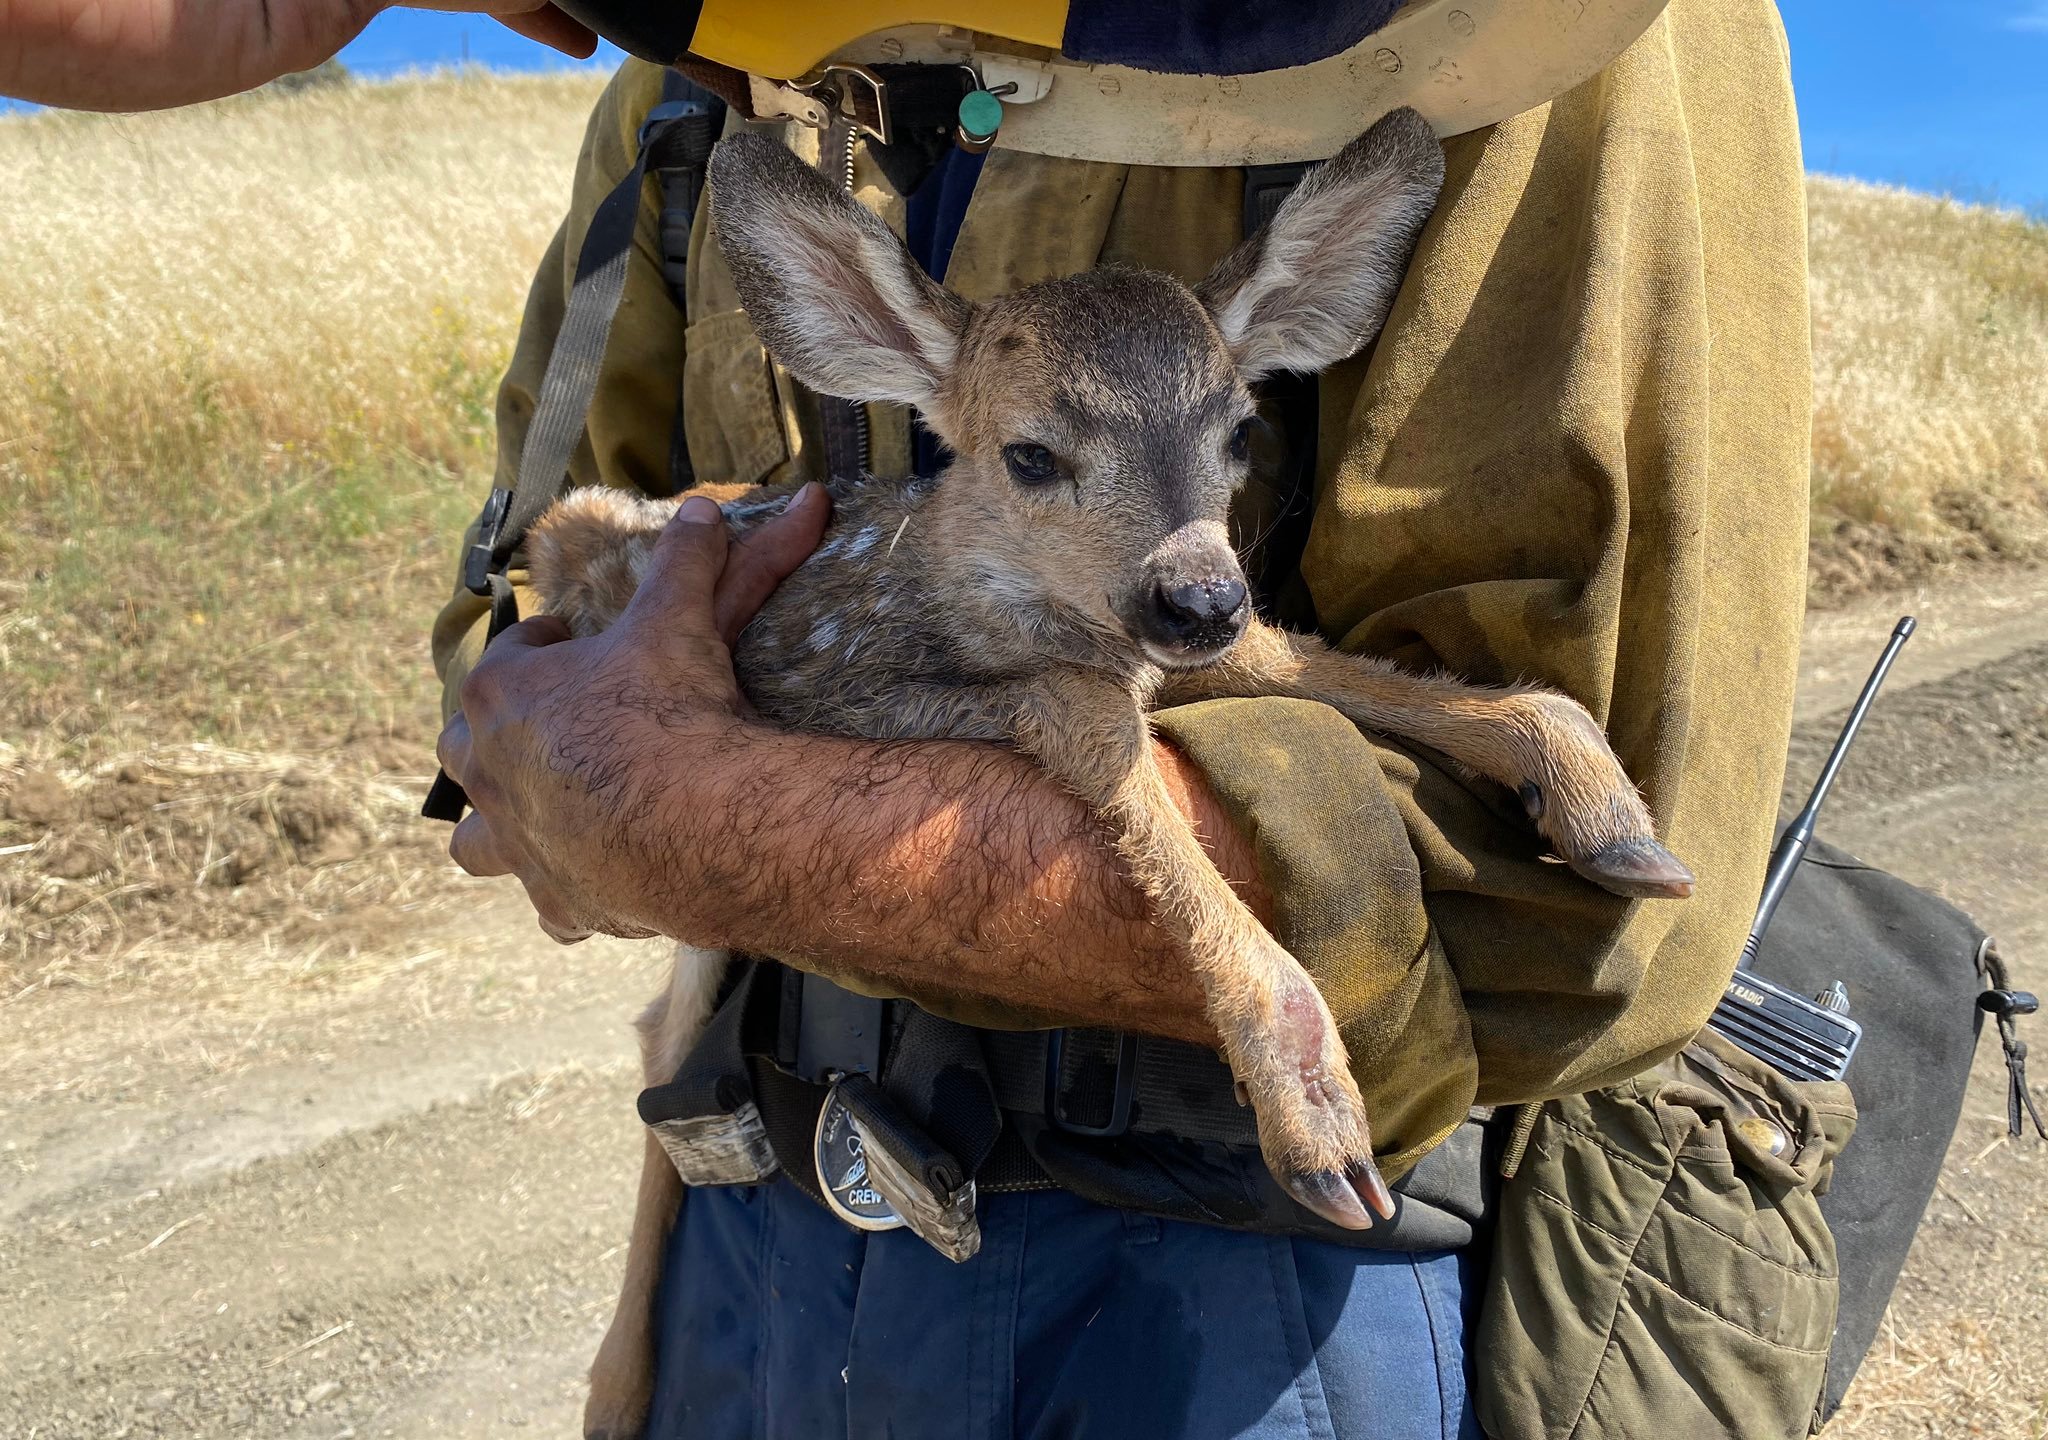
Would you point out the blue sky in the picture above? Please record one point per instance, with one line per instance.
(1944, 95)
(1948, 95)
(401, 40)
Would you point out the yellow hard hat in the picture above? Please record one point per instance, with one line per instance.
(789, 38)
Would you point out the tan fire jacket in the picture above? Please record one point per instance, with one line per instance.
(1578, 454)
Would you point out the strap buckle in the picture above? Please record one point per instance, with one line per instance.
(1123, 1088)
(842, 87)
(482, 560)
(659, 117)
(917, 1181)
(695, 124)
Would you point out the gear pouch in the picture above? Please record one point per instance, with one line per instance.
(1661, 1265)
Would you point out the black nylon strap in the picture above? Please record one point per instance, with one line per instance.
(681, 187)
(837, 1031)
(938, 1074)
(845, 427)
(570, 380)
(446, 800)
(675, 141)
(1266, 188)
(713, 1078)
(1177, 1089)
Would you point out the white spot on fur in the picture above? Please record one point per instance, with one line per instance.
(824, 634)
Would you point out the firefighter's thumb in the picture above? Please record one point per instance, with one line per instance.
(766, 556)
(676, 594)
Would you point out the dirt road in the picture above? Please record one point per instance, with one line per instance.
(396, 1211)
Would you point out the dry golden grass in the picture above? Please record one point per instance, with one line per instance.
(1930, 427)
(247, 357)
(330, 275)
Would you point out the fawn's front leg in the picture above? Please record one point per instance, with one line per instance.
(1278, 1035)
(622, 1375)
(1538, 743)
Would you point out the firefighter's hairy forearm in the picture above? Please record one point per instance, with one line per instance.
(149, 54)
(936, 869)
(625, 782)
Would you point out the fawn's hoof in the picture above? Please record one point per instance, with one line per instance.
(1639, 869)
(1347, 1198)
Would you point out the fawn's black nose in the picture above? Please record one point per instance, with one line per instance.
(1204, 614)
(1201, 602)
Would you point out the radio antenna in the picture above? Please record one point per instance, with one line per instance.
(1791, 847)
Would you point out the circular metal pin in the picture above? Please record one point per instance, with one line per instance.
(843, 1170)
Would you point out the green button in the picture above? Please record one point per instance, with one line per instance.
(981, 114)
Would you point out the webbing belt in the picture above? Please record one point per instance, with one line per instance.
(949, 1100)
(674, 144)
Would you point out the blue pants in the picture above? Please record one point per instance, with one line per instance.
(777, 1322)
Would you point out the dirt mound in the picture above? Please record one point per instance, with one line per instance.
(1846, 558)
(107, 872)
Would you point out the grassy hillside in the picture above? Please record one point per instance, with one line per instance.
(247, 353)
(1930, 427)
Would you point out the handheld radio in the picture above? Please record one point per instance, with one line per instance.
(1806, 1039)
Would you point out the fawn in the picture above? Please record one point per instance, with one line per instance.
(1069, 570)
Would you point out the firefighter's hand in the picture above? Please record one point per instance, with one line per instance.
(151, 54)
(572, 750)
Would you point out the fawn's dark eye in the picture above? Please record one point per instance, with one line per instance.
(1241, 439)
(1031, 464)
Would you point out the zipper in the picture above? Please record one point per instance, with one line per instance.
(862, 441)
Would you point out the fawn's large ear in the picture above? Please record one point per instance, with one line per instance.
(835, 296)
(1314, 285)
